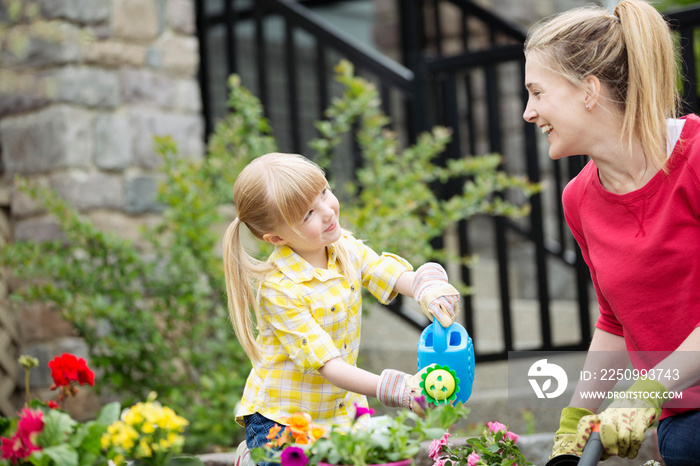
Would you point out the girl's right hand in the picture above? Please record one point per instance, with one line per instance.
(436, 296)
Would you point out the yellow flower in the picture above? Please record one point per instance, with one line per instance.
(133, 416)
(146, 429)
(145, 449)
(170, 420)
(316, 433)
(164, 444)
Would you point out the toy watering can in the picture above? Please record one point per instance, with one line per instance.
(452, 352)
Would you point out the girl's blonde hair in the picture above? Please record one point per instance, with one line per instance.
(631, 52)
(271, 189)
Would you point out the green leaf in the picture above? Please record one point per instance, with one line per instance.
(109, 413)
(62, 455)
(57, 426)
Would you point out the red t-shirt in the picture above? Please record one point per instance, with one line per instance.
(643, 248)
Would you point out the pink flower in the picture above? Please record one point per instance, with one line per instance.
(29, 427)
(496, 426)
(439, 462)
(473, 459)
(293, 456)
(361, 411)
(13, 449)
(24, 442)
(436, 447)
(513, 437)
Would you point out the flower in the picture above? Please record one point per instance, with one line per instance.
(147, 431)
(496, 445)
(25, 440)
(293, 456)
(30, 425)
(389, 439)
(44, 434)
(361, 411)
(436, 446)
(68, 370)
(496, 427)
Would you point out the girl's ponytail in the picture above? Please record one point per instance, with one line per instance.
(240, 270)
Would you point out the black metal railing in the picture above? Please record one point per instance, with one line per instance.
(467, 91)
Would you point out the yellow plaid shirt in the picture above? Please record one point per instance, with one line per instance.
(310, 316)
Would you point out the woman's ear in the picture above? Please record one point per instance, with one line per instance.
(274, 239)
(592, 92)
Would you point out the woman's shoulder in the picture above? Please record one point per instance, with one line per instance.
(579, 183)
(686, 154)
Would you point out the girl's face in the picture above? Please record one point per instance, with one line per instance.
(557, 107)
(319, 227)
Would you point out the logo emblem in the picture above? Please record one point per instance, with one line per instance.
(541, 369)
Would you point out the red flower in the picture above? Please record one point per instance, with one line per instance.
(52, 404)
(67, 368)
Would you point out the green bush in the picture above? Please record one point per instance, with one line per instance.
(154, 319)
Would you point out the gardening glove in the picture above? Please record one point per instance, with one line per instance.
(398, 389)
(623, 423)
(565, 436)
(436, 296)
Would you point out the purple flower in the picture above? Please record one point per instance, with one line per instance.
(293, 456)
(361, 411)
(421, 401)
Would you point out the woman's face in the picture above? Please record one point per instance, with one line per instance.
(557, 107)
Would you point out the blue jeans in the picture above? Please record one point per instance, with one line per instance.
(257, 427)
(679, 439)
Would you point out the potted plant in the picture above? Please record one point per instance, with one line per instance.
(496, 445)
(390, 440)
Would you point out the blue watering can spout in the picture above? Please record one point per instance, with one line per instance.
(450, 347)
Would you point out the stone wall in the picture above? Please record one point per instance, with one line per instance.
(115, 74)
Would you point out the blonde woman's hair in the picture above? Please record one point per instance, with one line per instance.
(271, 189)
(631, 52)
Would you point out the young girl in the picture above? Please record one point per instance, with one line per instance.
(306, 305)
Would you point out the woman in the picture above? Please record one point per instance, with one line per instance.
(603, 85)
